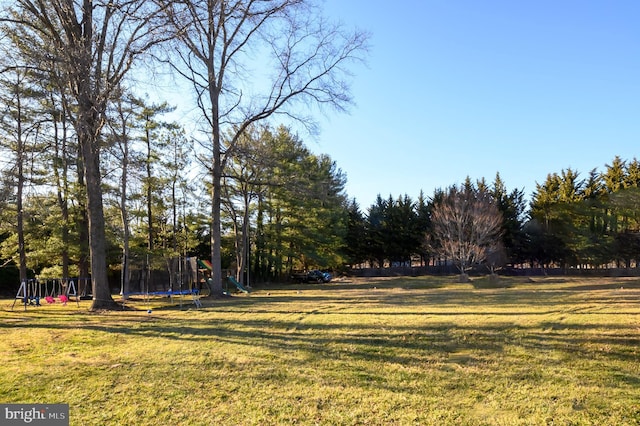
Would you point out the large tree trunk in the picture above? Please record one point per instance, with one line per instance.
(97, 241)
(88, 124)
(216, 196)
(216, 228)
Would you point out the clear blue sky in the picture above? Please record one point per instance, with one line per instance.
(474, 87)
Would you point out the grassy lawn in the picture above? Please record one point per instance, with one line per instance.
(429, 351)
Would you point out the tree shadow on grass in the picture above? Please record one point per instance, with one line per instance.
(378, 341)
(363, 327)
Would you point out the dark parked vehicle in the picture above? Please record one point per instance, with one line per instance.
(318, 276)
(313, 276)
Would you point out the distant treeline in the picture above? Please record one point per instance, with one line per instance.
(590, 222)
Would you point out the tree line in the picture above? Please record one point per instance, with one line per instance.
(569, 222)
(468, 225)
(589, 222)
(68, 64)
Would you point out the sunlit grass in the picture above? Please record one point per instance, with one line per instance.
(384, 351)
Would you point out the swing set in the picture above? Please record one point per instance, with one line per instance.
(180, 277)
(32, 292)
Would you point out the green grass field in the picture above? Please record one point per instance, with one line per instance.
(405, 351)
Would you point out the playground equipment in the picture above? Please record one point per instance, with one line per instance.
(229, 280)
(167, 277)
(239, 286)
(147, 276)
(31, 292)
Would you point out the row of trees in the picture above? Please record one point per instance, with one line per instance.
(285, 208)
(282, 205)
(591, 222)
(588, 222)
(80, 55)
(464, 225)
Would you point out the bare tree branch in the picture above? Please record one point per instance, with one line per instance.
(466, 224)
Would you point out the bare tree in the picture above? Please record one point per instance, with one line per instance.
(93, 44)
(466, 225)
(248, 60)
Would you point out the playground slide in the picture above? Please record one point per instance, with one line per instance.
(237, 284)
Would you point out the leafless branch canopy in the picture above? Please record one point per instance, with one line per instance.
(466, 223)
(250, 59)
(91, 44)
